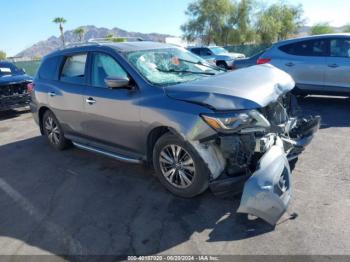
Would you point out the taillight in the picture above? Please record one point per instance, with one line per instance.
(263, 61)
(30, 87)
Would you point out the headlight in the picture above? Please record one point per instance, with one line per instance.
(234, 122)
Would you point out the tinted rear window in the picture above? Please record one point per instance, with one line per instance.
(48, 68)
(306, 48)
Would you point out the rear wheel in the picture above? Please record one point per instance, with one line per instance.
(179, 167)
(54, 132)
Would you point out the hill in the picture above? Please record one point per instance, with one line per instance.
(44, 47)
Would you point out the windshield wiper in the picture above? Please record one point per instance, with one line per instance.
(200, 63)
(185, 71)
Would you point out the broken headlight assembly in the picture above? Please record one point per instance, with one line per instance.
(241, 121)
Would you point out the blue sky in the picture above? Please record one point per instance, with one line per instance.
(24, 22)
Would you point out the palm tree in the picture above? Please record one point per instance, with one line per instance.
(60, 21)
(79, 32)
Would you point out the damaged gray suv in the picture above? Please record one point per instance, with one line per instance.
(198, 125)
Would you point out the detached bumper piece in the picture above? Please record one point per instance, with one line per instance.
(267, 192)
(14, 96)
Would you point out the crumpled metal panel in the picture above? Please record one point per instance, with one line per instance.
(237, 89)
(267, 192)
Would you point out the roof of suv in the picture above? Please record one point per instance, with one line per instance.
(311, 37)
(119, 47)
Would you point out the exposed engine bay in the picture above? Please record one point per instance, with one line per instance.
(256, 160)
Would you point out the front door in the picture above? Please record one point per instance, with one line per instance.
(111, 115)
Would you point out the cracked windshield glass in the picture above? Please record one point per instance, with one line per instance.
(171, 66)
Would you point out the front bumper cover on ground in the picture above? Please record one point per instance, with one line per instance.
(267, 192)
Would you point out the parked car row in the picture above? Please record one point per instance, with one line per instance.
(197, 124)
(318, 64)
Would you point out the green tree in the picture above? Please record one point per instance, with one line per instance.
(60, 21)
(2, 55)
(279, 21)
(206, 20)
(79, 32)
(346, 28)
(321, 28)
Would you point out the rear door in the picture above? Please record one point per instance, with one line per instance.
(111, 115)
(305, 61)
(65, 96)
(337, 77)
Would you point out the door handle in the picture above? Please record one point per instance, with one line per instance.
(90, 101)
(289, 64)
(52, 94)
(333, 65)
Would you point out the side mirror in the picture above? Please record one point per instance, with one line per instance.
(117, 82)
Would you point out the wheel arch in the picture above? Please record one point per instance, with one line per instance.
(152, 138)
(41, 113)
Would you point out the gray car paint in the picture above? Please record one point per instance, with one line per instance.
(313, 74)
(121, 120)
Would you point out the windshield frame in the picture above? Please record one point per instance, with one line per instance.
(200, 61)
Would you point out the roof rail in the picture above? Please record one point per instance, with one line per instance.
(78, 44)
(110, 39)
(96, 41)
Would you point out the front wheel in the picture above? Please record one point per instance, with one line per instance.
(179, 167)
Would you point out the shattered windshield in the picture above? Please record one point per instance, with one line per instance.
(170, 65)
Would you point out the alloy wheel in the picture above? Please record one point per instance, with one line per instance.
(52, 130)
(177, 166)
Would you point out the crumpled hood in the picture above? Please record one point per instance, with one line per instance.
(11, 79)
(247, 88)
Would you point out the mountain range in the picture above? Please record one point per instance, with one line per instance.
(44, 47)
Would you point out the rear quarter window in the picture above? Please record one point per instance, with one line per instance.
(48, 68)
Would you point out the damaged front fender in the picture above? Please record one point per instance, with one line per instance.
(267, 192)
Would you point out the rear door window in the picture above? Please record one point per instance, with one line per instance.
(340, 47)
(317, 47)
(73, 70)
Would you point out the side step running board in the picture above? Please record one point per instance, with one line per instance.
(109, 154)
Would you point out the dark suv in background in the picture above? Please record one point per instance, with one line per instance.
(198, 125)
(13, 86)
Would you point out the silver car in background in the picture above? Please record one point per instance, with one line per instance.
(318, 64)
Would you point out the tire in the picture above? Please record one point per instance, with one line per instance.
(187, 179)
(53, 131)
(222, 65)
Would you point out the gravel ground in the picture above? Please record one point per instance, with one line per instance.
(76, 202)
